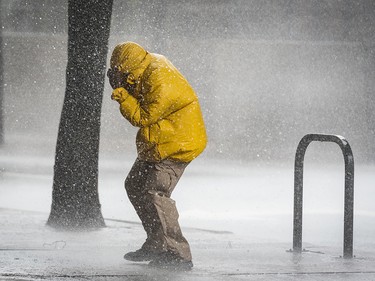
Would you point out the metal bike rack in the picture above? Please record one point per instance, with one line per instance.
(349, 190)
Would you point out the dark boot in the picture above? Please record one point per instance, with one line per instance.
(139, 255)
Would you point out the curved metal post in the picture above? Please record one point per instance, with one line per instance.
(349, 190)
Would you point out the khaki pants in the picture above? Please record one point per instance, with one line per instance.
(149, 187)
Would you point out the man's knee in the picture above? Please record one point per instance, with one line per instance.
(161, 202)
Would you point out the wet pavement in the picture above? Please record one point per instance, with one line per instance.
(237, 219)
(32, 251)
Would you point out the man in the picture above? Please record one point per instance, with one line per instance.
(154, 96)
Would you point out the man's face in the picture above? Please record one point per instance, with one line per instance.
(116, 78)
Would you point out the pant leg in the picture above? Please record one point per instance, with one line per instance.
(149, 187)
(167, 176)
(135, 187)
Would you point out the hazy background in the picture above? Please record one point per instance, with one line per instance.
(266, 73)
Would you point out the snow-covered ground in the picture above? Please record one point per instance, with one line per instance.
(254, 201)
(237, 218)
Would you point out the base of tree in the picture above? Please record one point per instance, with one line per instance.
(65, 218)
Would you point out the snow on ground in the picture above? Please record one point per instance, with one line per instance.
(252, 201)
(237, 218)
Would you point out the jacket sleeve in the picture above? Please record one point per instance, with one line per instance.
(157, 104)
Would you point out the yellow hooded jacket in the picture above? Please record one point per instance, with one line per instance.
(163, 105)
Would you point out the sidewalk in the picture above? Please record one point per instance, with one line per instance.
(32, 251)
(237, 220)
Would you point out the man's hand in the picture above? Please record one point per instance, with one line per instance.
(119, 95)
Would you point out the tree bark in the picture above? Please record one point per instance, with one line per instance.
(75, 198)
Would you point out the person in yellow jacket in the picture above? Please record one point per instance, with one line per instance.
(154, 96)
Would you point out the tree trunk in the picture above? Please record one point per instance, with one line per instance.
(75, 198)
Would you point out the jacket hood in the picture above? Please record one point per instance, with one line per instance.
(129, 57)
